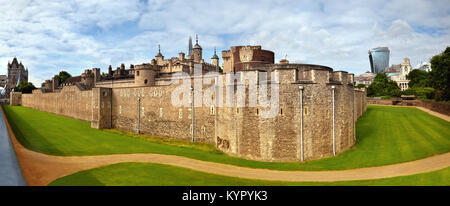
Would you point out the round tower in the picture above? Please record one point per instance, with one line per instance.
(197, 51)
(144, 75)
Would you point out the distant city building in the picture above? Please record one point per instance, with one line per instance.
(16, 73)
(366, 78)
(400, 78)
(395, 68)
(424, 66)
(379, 59)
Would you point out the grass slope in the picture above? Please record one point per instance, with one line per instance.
(145, 174)
(385, 135)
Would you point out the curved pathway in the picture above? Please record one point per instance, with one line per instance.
(41, 169)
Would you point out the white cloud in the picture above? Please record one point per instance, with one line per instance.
(74, 35)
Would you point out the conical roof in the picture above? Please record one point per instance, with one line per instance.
(197, 46)
(15, 61)
(215, 55)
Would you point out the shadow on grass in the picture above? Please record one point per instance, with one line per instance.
(84, 178)
(16, 119)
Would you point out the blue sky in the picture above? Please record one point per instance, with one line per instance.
(74, 35)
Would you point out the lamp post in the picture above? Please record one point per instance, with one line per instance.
(301, 122)
(334, 138)
(192, 113)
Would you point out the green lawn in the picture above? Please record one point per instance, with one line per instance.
(385, 135)
(146, 174)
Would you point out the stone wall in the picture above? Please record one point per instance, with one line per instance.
(240, 131)
(443, 108)
(15, 98)
(151, 107)
(70, 101)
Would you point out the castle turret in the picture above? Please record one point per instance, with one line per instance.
(181, 56)
(159, 57)
(284, 61)
(88, 78)
(110, 72)
(197, 51)
(215, 59)
(55, 83)
(97, 75)
(144, 75)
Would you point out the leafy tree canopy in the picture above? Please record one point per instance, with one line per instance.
(25, 87)
(382, 86)
(418, 78)
(62, 76)
(359, 86)
(440, 75)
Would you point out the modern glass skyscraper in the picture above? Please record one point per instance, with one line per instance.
(379, 59)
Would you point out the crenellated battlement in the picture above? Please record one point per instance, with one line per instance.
(269, 120)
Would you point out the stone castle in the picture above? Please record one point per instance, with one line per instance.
(315, 117)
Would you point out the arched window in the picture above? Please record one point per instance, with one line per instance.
(137, 73)
(145, 81)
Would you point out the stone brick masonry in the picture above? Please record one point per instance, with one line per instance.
(240, 131)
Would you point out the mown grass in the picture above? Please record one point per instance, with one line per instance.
(146, 174)
(385, 135)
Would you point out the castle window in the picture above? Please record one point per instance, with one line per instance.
(204, 130)
(180, 113)
(160, 112)
(257, 111)
(262, 58)
(145, 81)
(245, 58)
(281, 111)
(305, 111)
(246, 67)
(137, 73)
(237, 110)
(211, 110)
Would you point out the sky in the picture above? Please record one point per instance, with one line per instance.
(74, 35)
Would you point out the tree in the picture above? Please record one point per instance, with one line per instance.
(25, 87)
(382, 86)
(418, 78)
(359, 86)
(62, 76)
(440, 75)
